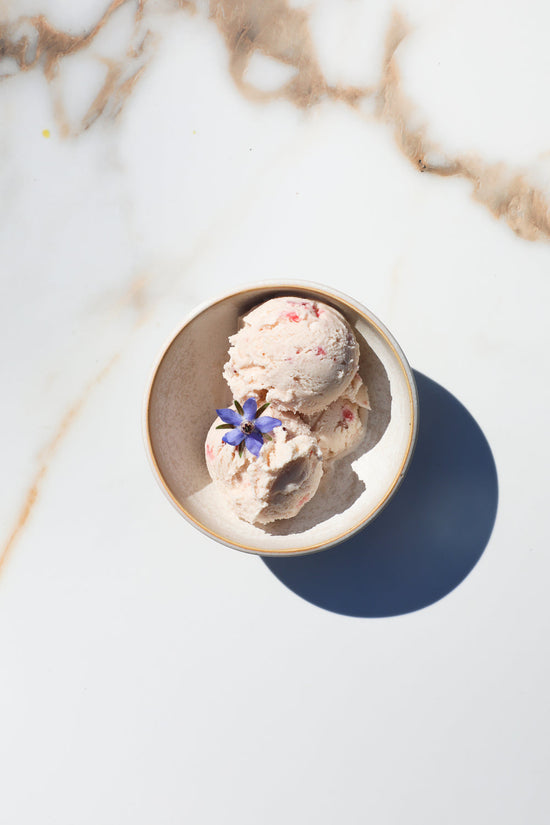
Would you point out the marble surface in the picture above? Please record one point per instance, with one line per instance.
(153, 154)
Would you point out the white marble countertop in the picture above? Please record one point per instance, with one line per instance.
(154, 154)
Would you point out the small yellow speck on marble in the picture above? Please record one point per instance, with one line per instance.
(194, 131)
(46, 133)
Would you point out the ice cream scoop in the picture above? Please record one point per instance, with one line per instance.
(277, 482)
(341, 427)
(299, 354)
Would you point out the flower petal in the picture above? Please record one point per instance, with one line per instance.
(265, 424)
(249, 408)
(254, 443)
(234, 437)
(229, 416)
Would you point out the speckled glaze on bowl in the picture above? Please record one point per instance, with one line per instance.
(187, 385)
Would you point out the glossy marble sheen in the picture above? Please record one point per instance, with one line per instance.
(154, 154)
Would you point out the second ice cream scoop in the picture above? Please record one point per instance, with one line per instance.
(340, 428)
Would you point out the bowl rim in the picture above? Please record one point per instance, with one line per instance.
(372, 319)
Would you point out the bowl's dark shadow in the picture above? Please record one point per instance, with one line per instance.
(430, 535)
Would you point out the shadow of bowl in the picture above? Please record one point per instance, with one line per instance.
(427, 539)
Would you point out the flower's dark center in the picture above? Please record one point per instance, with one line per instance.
(247, 427)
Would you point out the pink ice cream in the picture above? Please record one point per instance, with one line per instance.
(299, 354)
(302, 356)
(277, 483)
(340, 428)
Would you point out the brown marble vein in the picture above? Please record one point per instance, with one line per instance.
(47, 456)
(47, 44)
(278, 31)
(118, 85)
(504, 191)
(275, 29)
(32, 41)
(134, 296)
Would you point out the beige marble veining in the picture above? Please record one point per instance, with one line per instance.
(280, 32)
(46, 457)
(33, 42)
(135, 296)
(277, 30)
(506, 192)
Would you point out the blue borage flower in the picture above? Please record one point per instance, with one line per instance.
(248, 426)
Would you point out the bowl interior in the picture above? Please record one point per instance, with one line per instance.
(188, 386)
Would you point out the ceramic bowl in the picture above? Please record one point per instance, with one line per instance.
(187, 385)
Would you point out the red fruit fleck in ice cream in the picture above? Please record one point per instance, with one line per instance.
(348, 415)
(311, 307)
(275, 331)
